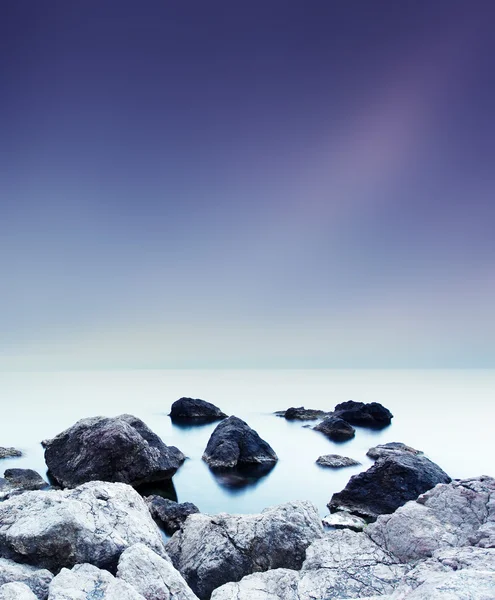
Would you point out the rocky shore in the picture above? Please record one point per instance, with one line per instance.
(400, 530)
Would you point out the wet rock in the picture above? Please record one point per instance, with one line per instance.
(195, 411)
(212, 550)
(169, 514)
(16, 591)
(373, 415)
(36, 579)
(87, 582)
(302, 414)
(234, 443)
(9, 452)
(120, 449)
(335, 461)
(336, 429)
(93, 523)
(344, 520)
(16, 481)
(390, 449)
(387, 485)
(152, 576)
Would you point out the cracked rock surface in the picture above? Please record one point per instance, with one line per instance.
(36, 579)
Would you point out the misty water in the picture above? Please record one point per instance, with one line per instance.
(447, 414)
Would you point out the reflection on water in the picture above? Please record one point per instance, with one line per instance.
(165, 489)
(235, 480)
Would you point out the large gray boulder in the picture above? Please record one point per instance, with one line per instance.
(93, 523)
(234, 443)
(87, 582)
(152, 576)
(16, 591)
(387, 485)
(212, 550)
(36, 579)
(120, 449)
(194, 410)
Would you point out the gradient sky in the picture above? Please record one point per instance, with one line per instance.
(247, 184)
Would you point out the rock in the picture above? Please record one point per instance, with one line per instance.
(366, 415)
(152, 576)
(336, 429)
(195, 410)
(9, 452)
(335, 461)
(302, 414)
(16, 481)
(390, 449)
(212, 550)
(120, 449)
(388, 484)
(16, 591)
(169, 514)
(459, 585)
(37, 580)
(277, 584)
(234, 443)
(87, 582)
(344, 520)
(93, 523)
(461, 513)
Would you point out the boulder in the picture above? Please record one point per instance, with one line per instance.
(16, 591)
(461, 585)
(152, 576)
(212, 550)
(387, 485)
(302, 414)
(336, 429)
(234, 443)
(195, 410)
(169, 514)
(120, 449)
(93, 523)
(335, 461)
(16, 481)
(390, 449)
(36, 579)
(87, 582)
(373, 415)
(9, 452)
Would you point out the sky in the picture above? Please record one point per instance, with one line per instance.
(273, 184)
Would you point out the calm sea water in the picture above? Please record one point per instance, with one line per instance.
(447, 414)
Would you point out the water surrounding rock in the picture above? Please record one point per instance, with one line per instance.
(93, 523)
(302, 414)
(87, 582)
(390, 449)
(336, 429)
(234, 443)
(387, 485)
(335, 461)
(195, 410)
(16, 591)
(120, 449)
(9, 452)
(365, 415)
(152, 576)
(169, 514)
(212, 550)
(344, 520)
(36, 579)
(16, 481)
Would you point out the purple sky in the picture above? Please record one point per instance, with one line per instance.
(247, 184)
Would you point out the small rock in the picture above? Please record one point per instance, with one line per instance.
(9, 452)
(391, 448)
(335, 461)
(36, 579)
(302, 414)
(25, 479)
(169, 514)
(336, 429)
(195, 410)
(373, 415)
(16, 591)
(344, 520)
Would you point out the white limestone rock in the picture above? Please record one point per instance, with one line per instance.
(36, 579)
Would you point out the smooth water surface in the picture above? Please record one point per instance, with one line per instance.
(447, 414)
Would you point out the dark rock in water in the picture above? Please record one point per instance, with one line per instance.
(120, 449)
(388, 484)
(17, 481)
(195, 410)
(302, 414)
(366, 415)
(234, 443)
(336, 429)
(168, 514)
(390, 449)
(242, 476)
(335, 461)
(9, 452)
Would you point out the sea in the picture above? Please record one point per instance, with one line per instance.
(448, 414)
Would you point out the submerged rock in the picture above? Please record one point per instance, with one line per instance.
(242, 476)
(195, 410)
(9, 452)
(388, 484)
(169, 514)
(390, 449)
(336, 429)
(212, 550)
(36, 579)
(302, 414)
(93, 523)
(366, 415)
(234, 443)
(120, 449)
(335, 461)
